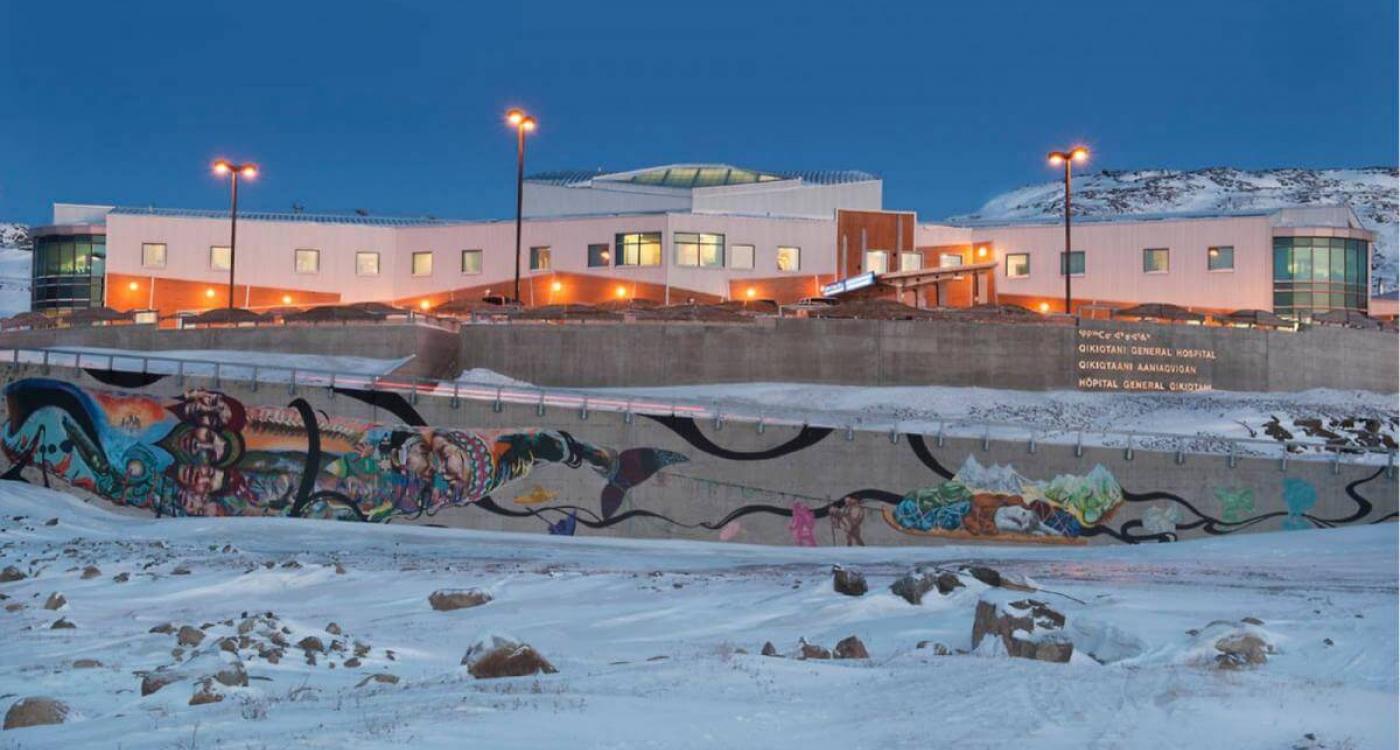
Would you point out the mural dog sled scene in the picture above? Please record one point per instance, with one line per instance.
(203, 452)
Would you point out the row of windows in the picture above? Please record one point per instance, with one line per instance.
(698, 250)
(308, 260)
(1331, 259)
(878, 261)
(693, 250)
(1154, 260)
(71, 255)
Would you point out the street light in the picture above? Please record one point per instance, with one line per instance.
(250, 170)
(523, 123)
(1067, 158)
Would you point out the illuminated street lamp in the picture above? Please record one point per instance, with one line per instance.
(1067, 158)
(226, 167)
(523, 123)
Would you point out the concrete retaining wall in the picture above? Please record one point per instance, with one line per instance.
(179, 448)
(863, 352)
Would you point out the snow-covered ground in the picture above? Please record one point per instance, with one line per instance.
(272, 367)
(1205, 417)
(647, 639)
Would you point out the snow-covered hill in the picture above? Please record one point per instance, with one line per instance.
(1371, 192)
(14, 268)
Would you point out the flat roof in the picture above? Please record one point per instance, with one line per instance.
(691, 176)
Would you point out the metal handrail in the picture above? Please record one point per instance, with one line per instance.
(585, 400)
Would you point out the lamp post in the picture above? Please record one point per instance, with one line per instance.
(249, 170)
(523, 123)
(1067, 158)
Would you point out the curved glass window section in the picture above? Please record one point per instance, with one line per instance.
(68, 271)
(1317, 274)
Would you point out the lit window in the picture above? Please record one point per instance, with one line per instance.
(153, 255)
(876, 261)
(471, 262)
(1154, 260)
(1018, 265)
(366, 263)
(1076, 263)
(423, 264)
(950, 260)
(308, 261)
(789, 258)
(699, 250)
(1220, 258)
(741, 256)
(599, 256)
(220, 257)
(639, 249)
(539, 258)
(911, 261)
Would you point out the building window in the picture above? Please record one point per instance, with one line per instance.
(220, 258)
(1018, 265)
(911, 261)
(702, 250)
(1076, 263)
(950, 260)
(69, 271)
(1155, 260)
(1220, 258)
(423, 264)
(599, 256)
(876, 261)
(471, 262)
(639, 249)
(539, 258)
(789, 258)
(1316, 274)
(366, 263)
(308, 261)
(741, 256)
(153, 255)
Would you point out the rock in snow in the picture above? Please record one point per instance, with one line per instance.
(35, 711)
(848, 582)
(444, 601)
(1028, 629)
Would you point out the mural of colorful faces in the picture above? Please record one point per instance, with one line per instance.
(206, 454)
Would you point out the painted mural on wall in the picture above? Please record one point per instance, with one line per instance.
(997, 501)
(205, 453)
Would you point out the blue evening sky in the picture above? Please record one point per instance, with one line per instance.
(395, 106)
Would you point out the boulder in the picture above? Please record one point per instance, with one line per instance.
(163, 628)
(938, 649)
(446, 601)
(383, 677)
(188, 635)
(205, 694)
(91, 571)
(911, 588)
(807, 650)
(848, 582)
(55, 601)
(333, 629)
(311, 643)
(501, 656)
(1241, 650)
(121, 578)
(850, 647)
(948, 583)
(984, 574)
(10, 574)
(86, 663)
(62, 623)
(232, 675)
(35, 711)
(1252, 621)
(352, 662)
(153, 681)
(769, 649)
(1027, 629)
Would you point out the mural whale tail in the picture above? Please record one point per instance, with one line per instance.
(632, 467)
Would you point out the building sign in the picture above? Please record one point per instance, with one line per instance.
(849, 285)
(1139, 359)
